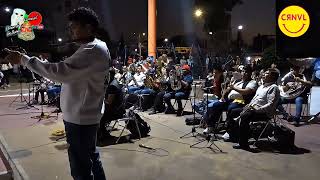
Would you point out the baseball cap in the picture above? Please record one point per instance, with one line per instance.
(186, 67)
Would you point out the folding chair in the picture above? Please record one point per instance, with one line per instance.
(129, 117)
(189, 99)
(268, 122)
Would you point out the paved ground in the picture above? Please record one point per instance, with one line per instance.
(38, 156)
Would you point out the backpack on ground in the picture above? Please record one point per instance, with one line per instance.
(144, 127)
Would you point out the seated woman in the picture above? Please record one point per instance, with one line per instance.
(239, 94)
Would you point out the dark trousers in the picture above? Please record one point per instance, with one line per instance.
(84, 158)
(41, 92)
(158, 102)
(244, 128)
(215, 110)
(178, 96)
(5, 78)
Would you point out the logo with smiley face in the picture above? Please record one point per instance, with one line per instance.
(294, 21)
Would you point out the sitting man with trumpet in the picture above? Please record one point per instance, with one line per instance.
(184, 82)
(294, 88)
(261, 107)
(238, 94)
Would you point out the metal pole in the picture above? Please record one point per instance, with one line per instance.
(152, 28)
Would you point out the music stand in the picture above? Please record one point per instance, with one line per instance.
(28, 105)
(209, 137)
(193, 129)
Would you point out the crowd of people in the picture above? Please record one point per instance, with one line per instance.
(239, 90)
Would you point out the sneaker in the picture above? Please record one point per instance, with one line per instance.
(244, 147)
(226, 137)
(208, 130)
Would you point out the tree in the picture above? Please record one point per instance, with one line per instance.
(269, 57)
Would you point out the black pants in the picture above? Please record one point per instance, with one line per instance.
(158, 102)
(41, 92)
(5, 78)
(232, 125)
(241, 128)
(244, 128)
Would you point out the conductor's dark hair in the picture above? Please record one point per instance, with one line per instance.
(84, 16)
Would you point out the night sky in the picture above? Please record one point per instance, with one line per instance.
(257, 16)
(176, 17)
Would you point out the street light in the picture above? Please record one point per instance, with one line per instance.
(198, 13)
(143, 34)
(240, 27)
(166, 40)
(60, 39)
(7, 9)
(210, 33)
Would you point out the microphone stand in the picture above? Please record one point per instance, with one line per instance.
(193, 129)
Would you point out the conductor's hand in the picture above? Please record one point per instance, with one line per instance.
(14, 57)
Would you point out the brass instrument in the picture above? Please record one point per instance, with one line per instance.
(292, 89)
(149, 81)
(174, 77)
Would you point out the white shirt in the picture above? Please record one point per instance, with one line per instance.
(83, 78)
(139, 77)
(236, 95)
(266, 99)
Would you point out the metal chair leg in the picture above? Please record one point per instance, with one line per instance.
(264, 129)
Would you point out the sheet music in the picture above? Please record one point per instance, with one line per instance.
(315, 101)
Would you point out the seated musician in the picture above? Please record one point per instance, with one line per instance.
(137, 81)
(41, 89)
(291, 79)
(114, 108)
(178, 95)
(261, 107)
(215, 81)
(213, 85)
(158, 105)
(239, 94)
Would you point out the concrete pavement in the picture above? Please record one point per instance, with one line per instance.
(37, 156)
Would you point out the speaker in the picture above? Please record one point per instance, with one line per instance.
(305, 45)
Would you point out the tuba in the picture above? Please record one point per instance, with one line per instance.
(292, 89)
(149, 81)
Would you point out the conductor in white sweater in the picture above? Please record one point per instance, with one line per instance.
(82, 76)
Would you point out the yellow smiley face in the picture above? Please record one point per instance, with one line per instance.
(294, 21)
